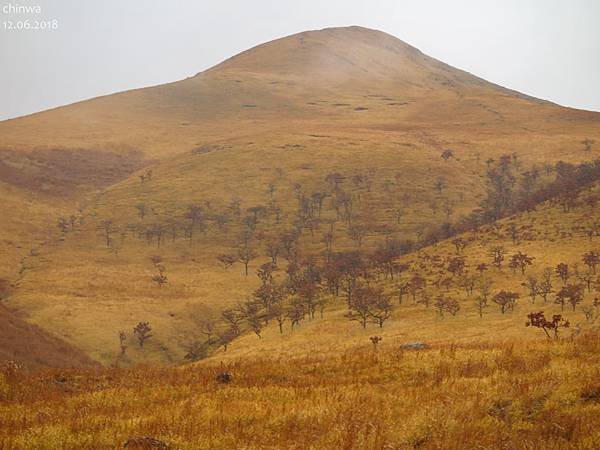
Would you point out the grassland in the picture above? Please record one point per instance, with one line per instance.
(514, 394)
(260, 135)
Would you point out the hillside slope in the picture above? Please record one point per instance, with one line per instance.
(339, 131)
(31, 347)
(548, 235)
(302, 81)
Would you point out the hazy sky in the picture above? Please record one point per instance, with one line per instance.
(546, 48)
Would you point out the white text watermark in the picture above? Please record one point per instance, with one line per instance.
(18, 17)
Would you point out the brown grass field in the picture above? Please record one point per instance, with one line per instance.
(532, 395)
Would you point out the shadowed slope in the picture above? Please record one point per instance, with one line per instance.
(32, 347)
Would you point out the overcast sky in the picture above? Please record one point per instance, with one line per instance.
(546, 48)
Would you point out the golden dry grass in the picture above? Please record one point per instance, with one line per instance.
(90, 293)
(532, 395)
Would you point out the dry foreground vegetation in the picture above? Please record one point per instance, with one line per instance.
(303, 262)
(507, 395)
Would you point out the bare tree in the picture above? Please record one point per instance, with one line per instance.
(253, 315)
(357, 233)
(481, 268)
(280, 314)
(309, 292)
(195, 215)
(545, 285)
(271, 189)
(360, 304)
(497, 254)
(122, 347)
(505, 299)
(381, 307)
(209, 329)
(107, 228)
(532, 285)
(142, 210)
(227, 260)
(520, 261)
(233, 319)
(196, 351)
(456, 265)
(416, 284)
(424, 298)
(317, 199)
(444, 304)
(439, 184)
(485, 288)
(143, 332)
(587, 277)
(468, 282)
(538, 320)
(513, 232)
(296, 312)
(481, 303)
(571, 293)
(448, 207)
(398, 214)
(160, 279)
(460, 244)
(328, 238)
(334, 179)
(591, 259)
(245, 255)
(402, 289)
(272, 249)
(562, 270)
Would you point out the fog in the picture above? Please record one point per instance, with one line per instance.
(545, 48)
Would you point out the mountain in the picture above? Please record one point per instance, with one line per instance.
(329, 73)
(184, 171)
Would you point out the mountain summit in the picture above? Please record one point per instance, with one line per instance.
(332, 72)
(336, 52)
(335, 55)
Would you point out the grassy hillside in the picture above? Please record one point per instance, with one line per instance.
(92, 291)
(355, 232)
(89, 285)
(266, 128)
(548, 235)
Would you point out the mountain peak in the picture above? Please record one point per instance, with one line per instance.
(329, 52)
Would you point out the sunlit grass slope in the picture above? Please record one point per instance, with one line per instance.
(548, 235)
